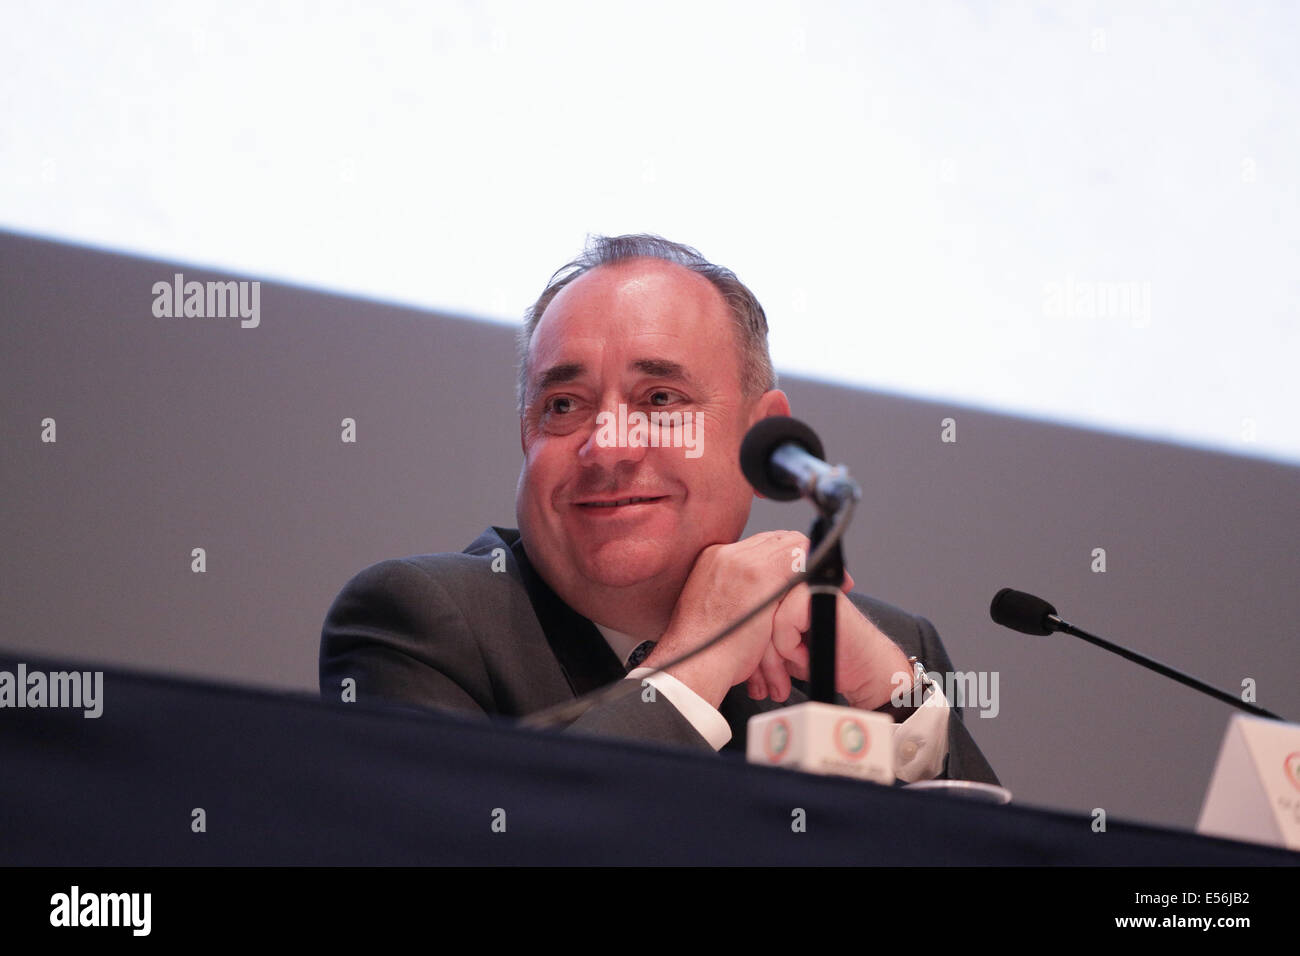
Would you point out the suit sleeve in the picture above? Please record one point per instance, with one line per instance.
(398, 634)
(635, 716)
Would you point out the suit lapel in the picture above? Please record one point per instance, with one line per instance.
(583, 654)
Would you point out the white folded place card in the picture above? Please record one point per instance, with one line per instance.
(824, 738)
(1254, 793)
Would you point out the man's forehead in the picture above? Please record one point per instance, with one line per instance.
(649, 305)
(645, 271)
(630, 327)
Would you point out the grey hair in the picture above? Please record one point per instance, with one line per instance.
(756, 373)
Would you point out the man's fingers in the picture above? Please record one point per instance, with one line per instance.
(756, 686)
(783, 548)
(797, 665)
(792, 619)
(774, 674)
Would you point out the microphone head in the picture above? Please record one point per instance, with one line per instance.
(1022, 612)
(767, 435)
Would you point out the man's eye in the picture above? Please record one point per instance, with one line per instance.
(661, 393)
(559, 405)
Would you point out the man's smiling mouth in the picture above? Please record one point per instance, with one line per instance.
(620, 502)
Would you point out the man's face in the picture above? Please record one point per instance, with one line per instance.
(653, 336)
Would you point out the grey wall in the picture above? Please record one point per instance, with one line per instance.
(183, 433)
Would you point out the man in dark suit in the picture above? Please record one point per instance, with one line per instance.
(628, 553)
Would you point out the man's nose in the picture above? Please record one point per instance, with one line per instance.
(615, 436)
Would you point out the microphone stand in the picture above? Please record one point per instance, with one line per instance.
(826, 581)
(819, 735)
(831, 493)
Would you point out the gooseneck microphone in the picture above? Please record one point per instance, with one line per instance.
(1030, 614)
(783, 459)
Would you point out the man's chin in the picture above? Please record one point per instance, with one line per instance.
(626, 562)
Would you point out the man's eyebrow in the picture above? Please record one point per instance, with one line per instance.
(664, 368)
(558, 375)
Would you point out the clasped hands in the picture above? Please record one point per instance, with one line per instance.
(771, 648)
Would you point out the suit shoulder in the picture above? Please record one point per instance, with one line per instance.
(454, 573)
(411, 629)
(490, 551)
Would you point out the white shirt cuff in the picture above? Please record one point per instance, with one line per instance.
(701, 715)
(921, 741)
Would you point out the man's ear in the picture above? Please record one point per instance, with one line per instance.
(773, 402)
(770, 403)
(522, 449)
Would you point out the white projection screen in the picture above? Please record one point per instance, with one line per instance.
(1084, 213)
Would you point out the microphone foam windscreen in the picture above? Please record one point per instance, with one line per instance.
(1021, 612)
(767, 435)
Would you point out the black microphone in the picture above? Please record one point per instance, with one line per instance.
(1024, 612)
(1030, 614)
(783, 459)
